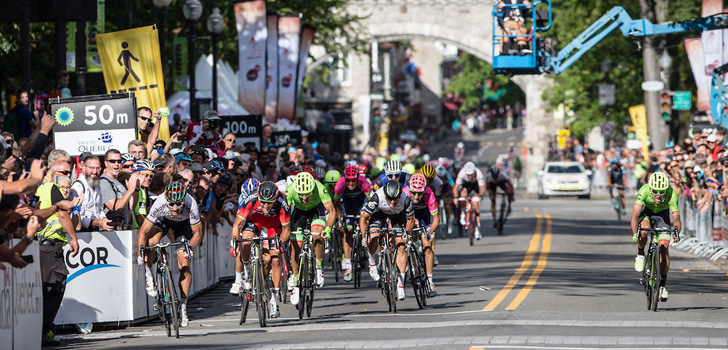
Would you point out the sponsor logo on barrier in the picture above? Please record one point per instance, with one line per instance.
(25, 301)
(6, 303)
(91, 259)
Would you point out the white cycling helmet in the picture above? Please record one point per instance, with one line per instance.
(426, 158)
(461, 145)
(469, 168)
(393, 167)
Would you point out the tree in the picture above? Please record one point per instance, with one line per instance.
(472, 80)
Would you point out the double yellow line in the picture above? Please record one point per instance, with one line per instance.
(533, 246)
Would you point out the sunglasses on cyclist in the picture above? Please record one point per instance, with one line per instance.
(417, 193)
(392, 176)
(659, 192)
(351, 181)
(145, 118)
(395, 199)
(127, 166)
(147, 175)
(303, 196)
(175, 204)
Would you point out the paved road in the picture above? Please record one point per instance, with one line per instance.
(561, 276)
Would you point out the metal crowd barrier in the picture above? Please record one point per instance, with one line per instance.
(704, 234)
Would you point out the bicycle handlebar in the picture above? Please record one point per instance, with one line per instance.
(160, 246)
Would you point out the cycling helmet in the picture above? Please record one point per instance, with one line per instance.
(494, 170)
(441, 171)
(362, 169)
(418, 183)
(250, 186)
(332, 176)
(426, 158)
(308, 169)
(304, 183)
(125, 157)
(659, 181)
(143, 164)
(175, 192)
(217, 164)
(393, 167)
(613, 161)
(469, 168)
(409, 168)
(393, 189)
(461, 145)
(428, 171)
(351, 172)
(268, 191)
(225, 179)
(320, 173)
(350, 162)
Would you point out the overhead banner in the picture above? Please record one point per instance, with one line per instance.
(246, 128)
(271, 86)
(289, 35)
(694, 49)
(282, 138)
(306, 40)
(131, 63)
(93, 61)
(180, 62)
(94, 123)
(250, 21)
(639, 121)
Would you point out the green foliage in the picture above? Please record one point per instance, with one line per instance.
(473, 74)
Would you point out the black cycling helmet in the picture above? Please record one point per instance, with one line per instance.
(393, 189)
(267, 191)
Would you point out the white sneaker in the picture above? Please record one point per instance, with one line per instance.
(639, 263)
(151, 289)
(374, 272)
(273, 308)
(477, 234)
(400, 293)
(319, 278)
(294, 296)
(347, 275)
(663, 294)
(462, 218)
(185, 321)
(291, 282)
(236, 288)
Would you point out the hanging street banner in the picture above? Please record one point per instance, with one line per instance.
(93, 61)
(180, 62)
(131, 63)
(306, 39)
(94, 123)
(250, 21)
(246, 128)
(289, 34)
(639, 122)
(271, 86)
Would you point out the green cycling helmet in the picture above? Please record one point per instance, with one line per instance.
(332, 176)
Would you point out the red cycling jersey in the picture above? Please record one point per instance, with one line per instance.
(275, 219)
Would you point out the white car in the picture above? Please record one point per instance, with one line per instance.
(564, 179)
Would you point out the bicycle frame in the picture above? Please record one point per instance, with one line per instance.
(306, 272)
(389, 255)
(357, 251)
(470, 224)
(258, 286)
(502, 215)
(652, 272)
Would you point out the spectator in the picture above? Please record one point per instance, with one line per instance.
(145, 171)
(57, 155)
(20, 120)
(267, 135)
(137, 149)
(87, 187)
(156, 187)
(114, 195)
(207, 132)
(127, 162)
(167, 164)
(146, 131)
(188, 178)
(61, 89)
(183, 162)
(714, 147)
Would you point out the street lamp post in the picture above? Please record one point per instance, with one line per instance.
(162, 6)
(215, 24)
(192, 10)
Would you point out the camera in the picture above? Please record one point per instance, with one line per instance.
(724, 161)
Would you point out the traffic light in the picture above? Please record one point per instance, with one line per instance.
(665, 105)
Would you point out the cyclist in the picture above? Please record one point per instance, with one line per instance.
(469, 183)
(249, 188)
(388, 203)
(351, 192)
(178, 211)
(617, 177)
(459, 152)
(392, 171)
(309, 201)
(265, 209)
(332, 178)
(426, 214)
(497, 178)
(655, 201)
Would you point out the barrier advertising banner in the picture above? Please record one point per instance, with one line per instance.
(250, 21)
(289, 35)
(306, 40)
(271, 86)
(246, 128)
(94, 123)
(21, 303)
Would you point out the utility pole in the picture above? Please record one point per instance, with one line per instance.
(657, 130)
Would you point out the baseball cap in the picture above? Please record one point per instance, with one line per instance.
(196, 167)
(291, 149)
(182, 156)
(211, 114)
(711, 138)
(208, 166)
(175, 151)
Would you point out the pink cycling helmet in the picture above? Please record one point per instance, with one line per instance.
(351, 172)
(418, 182)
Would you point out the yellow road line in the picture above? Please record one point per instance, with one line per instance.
(477, 348)
(489, 143)
(499, 143)
(532, 246)
(539, 268)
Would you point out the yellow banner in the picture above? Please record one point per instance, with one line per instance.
(639, 121)
(563, 137)
(131, 63)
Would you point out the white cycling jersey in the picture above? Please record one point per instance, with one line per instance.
(462, 179)
(160, 210)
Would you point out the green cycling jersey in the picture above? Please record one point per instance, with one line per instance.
(320, 195)
(644, 198)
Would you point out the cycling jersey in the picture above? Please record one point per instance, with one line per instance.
(358, 194)
(436, 186)
(159, 210)
(253, 214)
(462, 179)
(378, 202)
(320, 195)
(427, 204)
(450, 181)
(644, 198)
(502, 177)
(241, 200)
(382, 180)
(616, 173)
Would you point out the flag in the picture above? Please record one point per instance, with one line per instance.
(289, 35)
(131, 63)
(271, 86)
(306, 40)
(250, 21)
(639, 121)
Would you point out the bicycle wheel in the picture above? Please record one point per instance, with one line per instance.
(261, 299)
(355, 243)
(655, 279)
(160, 304)
(335, 254)
(244, 304)
(502, 217)
(415, 277)
(172, 301)
(311, 286)
(391, 280)
(302, 288)
(647, 278)
(469, 220)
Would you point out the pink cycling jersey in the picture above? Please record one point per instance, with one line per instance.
(362, 187)
(427, 202)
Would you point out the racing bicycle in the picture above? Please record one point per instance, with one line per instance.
(617, 200)
(336, 250)
(306, 273)
(258, 290)
(416, 265)
(652, 272)
(388, 277)
(471, 220)
(358, 252)
(502, 212)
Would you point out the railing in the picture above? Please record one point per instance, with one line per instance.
(704, 234)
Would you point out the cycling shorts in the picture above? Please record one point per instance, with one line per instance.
(378, 220)
(180, 228)
(504, 184)
(257, 228)
(658, 220)
(304, 219)
(351, 208)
